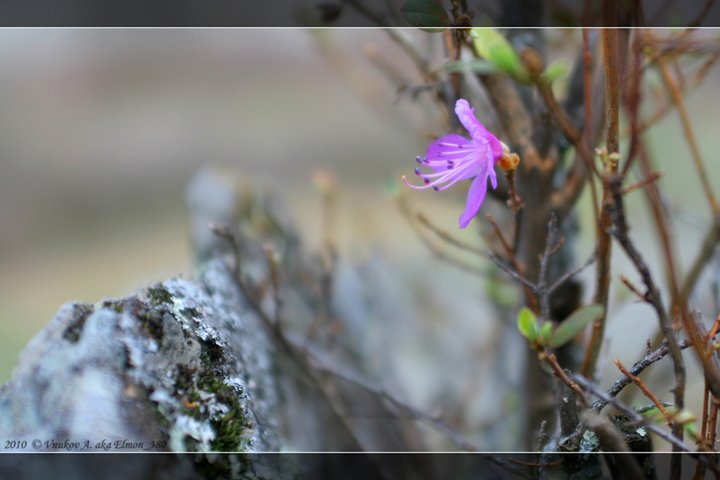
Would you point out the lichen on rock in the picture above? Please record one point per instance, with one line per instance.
(182, 365)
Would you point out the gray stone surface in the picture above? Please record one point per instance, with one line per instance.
(180, 366)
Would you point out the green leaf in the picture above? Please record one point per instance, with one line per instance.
(572, 325)
(475, 65)
(494, 47)
(527, 324)
(546, 332)
(685, 417)
(652, 412)
(554, 71)
(426, 14)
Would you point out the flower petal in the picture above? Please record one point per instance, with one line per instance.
(491, 174)
(475, 128)
(466, 115)
(476, 195)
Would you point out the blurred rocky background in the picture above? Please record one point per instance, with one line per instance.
(101, 131)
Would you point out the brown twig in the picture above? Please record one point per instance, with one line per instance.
(540, 289)
(704, 351)
(620, 232)
(630, 413)
(587, 59)
(676, 442)
(666, 107)
(707, 250)
(421, 63)
(310, 364)
(639, 366)
(446, 237)
(631, 99)
(551, 360)
(641, 385)
(602, 287)
(434, 249)
(612, 84)
(563, 199)
(712, 423)
(709, 430)
(517, 265)
(388, 66)
(515, 202)
(503, 241)
(551, 248)
(568, 275)
(410, 411)
(568, 129)
(226, 234)
(534, 179)
(689, 135)
(630, 286)
(713, 331)
(452, 49)
(662, 226)
(516, 275)
(653, 177)
(705, 412)
(273, 268)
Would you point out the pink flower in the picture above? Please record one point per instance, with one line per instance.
(454, 157)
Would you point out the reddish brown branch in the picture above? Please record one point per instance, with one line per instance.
(505, 244)
(602, 287)
(566, 126)
(612, 87)
(641, 296)
(551, 360)
(653, 177)
(612, 108)
(643, 388)
(712, 423)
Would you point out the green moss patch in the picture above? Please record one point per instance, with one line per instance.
(80, 314)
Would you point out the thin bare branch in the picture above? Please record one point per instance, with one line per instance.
(620, 232)
(637, 368)
(568, 275)
(516, 275)
(311, 364)
(434, 249)
(707, 250)
(689, 135)
(648, 393)
(446, 237)
(631, 414)
(653, 177)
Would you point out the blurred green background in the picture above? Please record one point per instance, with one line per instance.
(101, 130)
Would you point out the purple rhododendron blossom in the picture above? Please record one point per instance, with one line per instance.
(454, 157)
